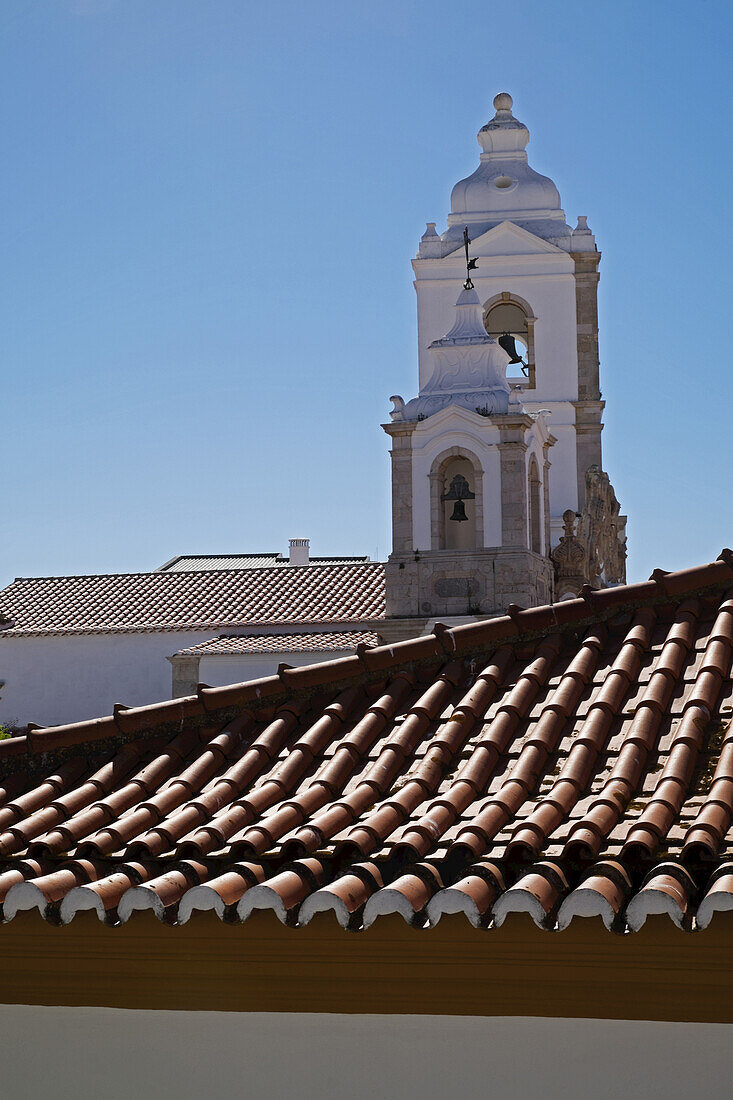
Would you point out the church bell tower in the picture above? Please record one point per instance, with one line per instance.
(498, 490)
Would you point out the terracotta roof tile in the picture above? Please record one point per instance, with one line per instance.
(564, 762)
(200, 600)
(231, 645)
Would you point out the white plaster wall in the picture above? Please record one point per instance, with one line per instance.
(70, 1053)
(217, 671)
(54, 680)
(455, 428)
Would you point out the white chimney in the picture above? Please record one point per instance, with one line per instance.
(299, 551)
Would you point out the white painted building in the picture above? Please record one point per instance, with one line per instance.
(73, 647)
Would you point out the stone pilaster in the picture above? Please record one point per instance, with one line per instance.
(185, 676)
(546, 491)
(401, 454)
(514, 504)
(586, 298)
(588, 407)
(588, 428)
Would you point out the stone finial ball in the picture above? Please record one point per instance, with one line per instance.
(503, 102)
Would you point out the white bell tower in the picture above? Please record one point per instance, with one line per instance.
(523, 438)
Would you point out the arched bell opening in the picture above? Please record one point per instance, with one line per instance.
(535, 513)
(510, 321)
(456, 502)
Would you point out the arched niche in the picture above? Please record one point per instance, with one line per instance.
(508, 313)
(534, 497)
(452, 473)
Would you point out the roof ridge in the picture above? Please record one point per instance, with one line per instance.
(339, 563)
(295, 636)
(592, 606)
(239, 554)
(247, 633)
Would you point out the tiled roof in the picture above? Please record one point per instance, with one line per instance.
(233, 644)
(189, 562)
(566, 761)
(192, 601)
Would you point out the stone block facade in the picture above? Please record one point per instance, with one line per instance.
(446, 583)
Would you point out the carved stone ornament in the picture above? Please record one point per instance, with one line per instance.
(603, 531)
(595, 552)
(569, 559)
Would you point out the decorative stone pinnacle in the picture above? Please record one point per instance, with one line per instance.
(568, 519)
(503, 102)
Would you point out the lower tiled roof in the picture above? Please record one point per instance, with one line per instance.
(199, 600)
(188, 562)
(231, 645)
(569, 761)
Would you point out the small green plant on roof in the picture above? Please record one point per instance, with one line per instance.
(5, 733)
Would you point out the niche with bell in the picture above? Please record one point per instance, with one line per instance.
(458, 501)
(513, 330)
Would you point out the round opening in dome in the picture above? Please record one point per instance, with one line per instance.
(503, 182)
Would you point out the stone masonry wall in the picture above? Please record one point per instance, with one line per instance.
(482, 582)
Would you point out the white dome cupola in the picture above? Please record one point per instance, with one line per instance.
(504, 187)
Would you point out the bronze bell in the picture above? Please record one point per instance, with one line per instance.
(459, 512)
(507, 343)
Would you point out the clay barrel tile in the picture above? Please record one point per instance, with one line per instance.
(102, 895)
(61, 737)
(717, 895)
(408, 895)
(47, 890)
(473, 895)
(163, 892)
(285, 892)
(221, 893)
(252, 693)
(484, 635)
(702, 576)
(538, 892)
(603, 893)
(37, 797)
(13, 746)
(323, 673)
(345, 897)
(667, 889)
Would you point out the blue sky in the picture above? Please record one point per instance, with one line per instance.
(208, 214)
